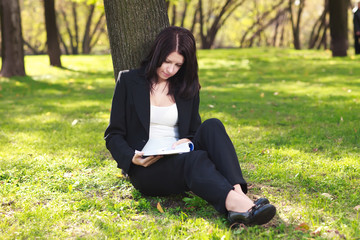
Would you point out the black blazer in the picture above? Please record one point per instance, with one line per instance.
(128, 129)
(356, 20)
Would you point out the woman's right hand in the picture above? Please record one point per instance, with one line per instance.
(145, 162)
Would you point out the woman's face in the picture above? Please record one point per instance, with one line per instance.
(170, 66)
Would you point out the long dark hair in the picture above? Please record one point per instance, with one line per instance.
(185, 83)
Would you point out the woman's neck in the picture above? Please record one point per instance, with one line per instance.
(159, 95)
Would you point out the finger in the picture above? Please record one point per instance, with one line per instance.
(139, 155)
(148, 161)
(152, 160)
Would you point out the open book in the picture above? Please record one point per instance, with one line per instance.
(163, 146)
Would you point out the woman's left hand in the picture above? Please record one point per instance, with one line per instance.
(183, 140)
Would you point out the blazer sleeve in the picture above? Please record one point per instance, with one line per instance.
(115, 134)
(195, 117)
(356, 20)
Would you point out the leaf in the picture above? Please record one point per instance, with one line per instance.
(328, 196)
(74, 122)
(317, 231)
(67, 175)
(304, 227)
(158, 206)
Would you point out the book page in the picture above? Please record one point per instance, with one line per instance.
(163, 146)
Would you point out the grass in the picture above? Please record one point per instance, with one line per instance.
(292, 115)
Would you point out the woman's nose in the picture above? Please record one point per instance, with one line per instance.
(171, 68)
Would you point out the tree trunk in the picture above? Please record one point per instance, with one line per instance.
(86, 38)
(132, 27)
(194, 20)
(279, 14)
(320, 25)
(273, 8)
(12, 51)
(98, 30)
(173, 20)
(71, 38)
(339, 27)
(208, 35)
(62, 42)
(296, 25)
(76, 29)
(53, 47)
(183, 15)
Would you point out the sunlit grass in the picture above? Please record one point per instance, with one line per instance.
(292, 115)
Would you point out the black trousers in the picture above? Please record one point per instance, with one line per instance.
(357, 44)
(210, 171)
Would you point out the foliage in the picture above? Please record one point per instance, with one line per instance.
(249, 18)
(245, 21)
(71, 32)
(292, 115)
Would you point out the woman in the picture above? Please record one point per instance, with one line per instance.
(161, 100)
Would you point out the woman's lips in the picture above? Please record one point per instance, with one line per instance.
(166, 75)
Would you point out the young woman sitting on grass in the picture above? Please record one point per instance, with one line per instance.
(161, 100)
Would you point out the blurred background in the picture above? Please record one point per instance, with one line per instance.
(298, 24)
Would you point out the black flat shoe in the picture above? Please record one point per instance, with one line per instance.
(261, 201)
(257, 215)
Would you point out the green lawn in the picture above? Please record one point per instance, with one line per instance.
(293, 117)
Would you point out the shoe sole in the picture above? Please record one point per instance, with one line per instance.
(267, 213)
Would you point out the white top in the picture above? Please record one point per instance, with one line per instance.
(164, 122)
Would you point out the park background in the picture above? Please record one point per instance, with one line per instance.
(269, 73)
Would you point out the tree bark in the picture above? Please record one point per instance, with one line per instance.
(339, 27)
(53, 47)
(132, 27)
(12, 51)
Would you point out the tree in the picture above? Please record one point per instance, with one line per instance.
(33, 27)
(295, 23)
(321, 25)
(12, 51)
(89, 35)
(53, 47)
(224, 12)
(338, 10)
(82, 23)
(262, 18)
(132, 27)
(73, 35)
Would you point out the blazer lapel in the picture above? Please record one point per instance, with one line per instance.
(142, 102)
(183, 115)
